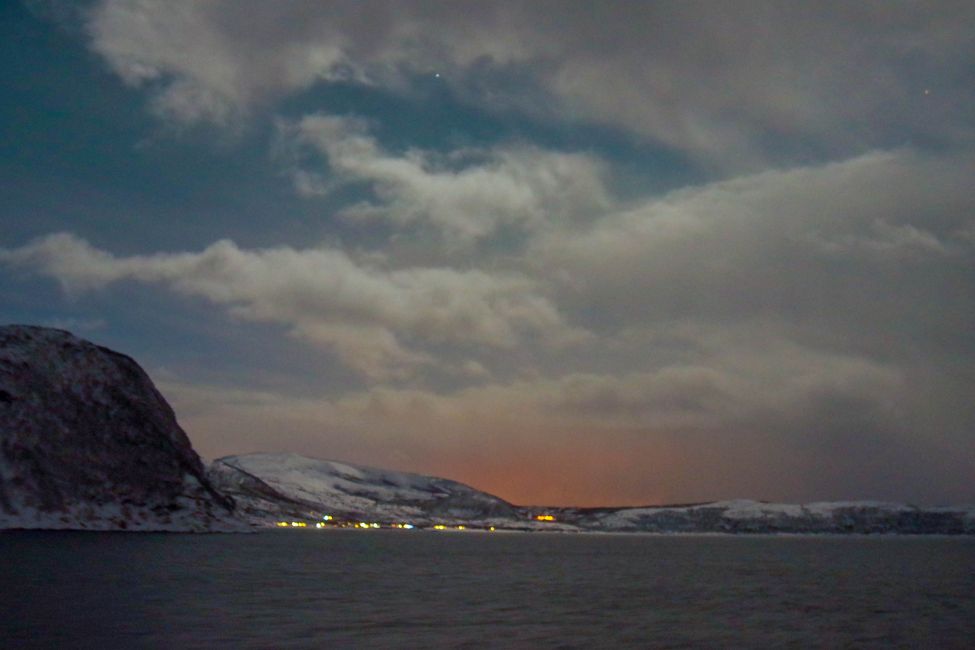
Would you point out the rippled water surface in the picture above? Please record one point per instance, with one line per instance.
(355, 589)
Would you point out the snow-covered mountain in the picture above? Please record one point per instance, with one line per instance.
(87, 442)
(746, 516)
(288, 487)
(271, 487)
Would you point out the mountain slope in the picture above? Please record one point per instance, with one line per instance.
(746, 516)
(87, 442)
(274, 487)
(283, 486)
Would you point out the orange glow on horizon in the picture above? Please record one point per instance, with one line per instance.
(581, 476)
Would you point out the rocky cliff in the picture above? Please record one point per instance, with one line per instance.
(87, 442)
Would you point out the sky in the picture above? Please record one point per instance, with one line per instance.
(570, 253)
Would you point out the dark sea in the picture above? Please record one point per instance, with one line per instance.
(420, 589)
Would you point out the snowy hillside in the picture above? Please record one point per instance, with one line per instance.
(269, 487)
(288, 487)
(87, 442)
(746, 516)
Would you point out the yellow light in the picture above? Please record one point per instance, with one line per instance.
(363, 524)
(327, 518)
(545, 518)
(282, 524)
(439, 527)
(460, 528)
(492, 529)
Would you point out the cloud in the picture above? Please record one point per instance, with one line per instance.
(361, 311)
(465, 195)
(763, 418)
(839, 252)
(212, 62)
(726, 85)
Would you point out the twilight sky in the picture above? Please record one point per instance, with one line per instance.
(572, 253)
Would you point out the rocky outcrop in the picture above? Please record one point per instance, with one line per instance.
(87, 442)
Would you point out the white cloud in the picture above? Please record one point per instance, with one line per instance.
(724, 84)
(845, 248)
(362, 312)
(207, 61)
(465, 195)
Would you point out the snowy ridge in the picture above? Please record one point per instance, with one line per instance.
(272, 487)
(268, 487)
(747, 516)
(87, 442)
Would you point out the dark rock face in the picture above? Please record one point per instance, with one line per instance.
(87, 442)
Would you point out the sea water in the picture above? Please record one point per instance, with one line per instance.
(424, 589)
